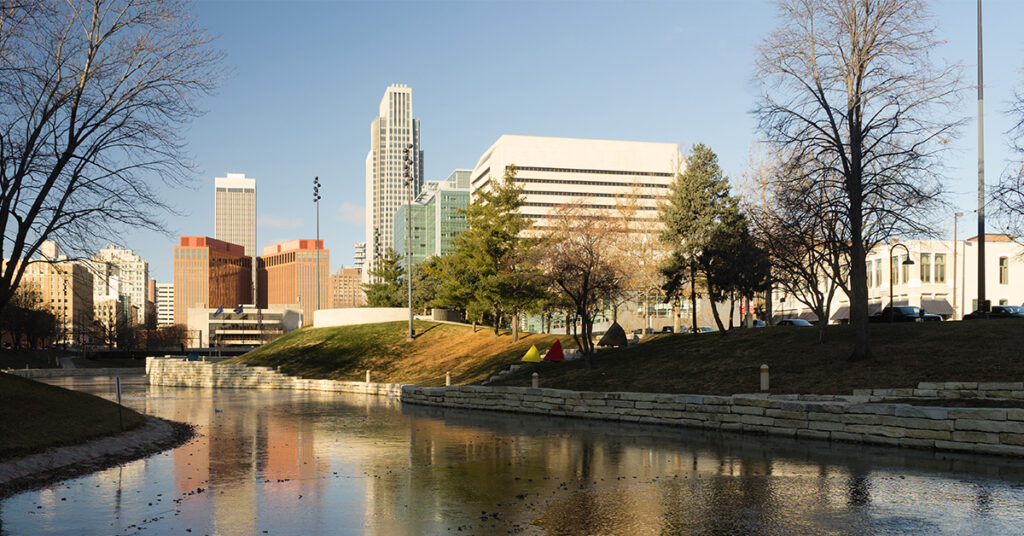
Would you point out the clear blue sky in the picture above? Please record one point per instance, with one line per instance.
(307, 78)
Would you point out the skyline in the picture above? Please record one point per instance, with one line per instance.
(300, 106)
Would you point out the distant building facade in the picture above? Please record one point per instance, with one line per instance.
(558, 171)
(391, 133)
(235, 214)
(943, 279)
(210, 273)
(291, 269)
(164, 305)
(436, 217)
(251, 327)
(132, 277)
(359, 256)
(65, 289)
(347, 289)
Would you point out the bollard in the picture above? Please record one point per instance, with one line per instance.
(367, 375)
(279, 368)
(448, 379)
(535, 382)
(764, 378)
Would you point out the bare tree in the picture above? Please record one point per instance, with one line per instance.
(91, 95)
(1009, 193)
(798, 231)
(637, 248)
(579, 260)
(850, 88)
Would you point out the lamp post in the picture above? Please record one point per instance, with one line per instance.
(981, 177)
(64, 320)
(956, 216)
(316, 201)
(907, 262)
(409, 174)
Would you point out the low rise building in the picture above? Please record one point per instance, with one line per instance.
(943, 278)
(244, 326)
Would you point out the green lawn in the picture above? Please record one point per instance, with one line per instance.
(18, 359)
(904, 354)
(344, 353)
(35, 416)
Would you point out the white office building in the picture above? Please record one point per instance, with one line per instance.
(391, 133)
(164, 305)
(943, 279)
(559, 171)
(120, 272)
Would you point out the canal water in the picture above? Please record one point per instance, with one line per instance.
(291, 463)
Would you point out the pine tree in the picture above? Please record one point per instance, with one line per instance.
(388, 287)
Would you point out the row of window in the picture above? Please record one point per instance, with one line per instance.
(594, 171)
(583, 194)
(931, 267)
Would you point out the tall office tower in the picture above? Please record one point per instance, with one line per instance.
(164, 305)
(437, 217)
(235, 215)
(391, 133)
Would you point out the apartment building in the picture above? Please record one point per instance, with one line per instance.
(347, 289)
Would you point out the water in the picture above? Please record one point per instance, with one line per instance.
(318, 463)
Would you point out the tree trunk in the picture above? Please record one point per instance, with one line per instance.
(822, 325)
(858, 255)
(586, 339)
(768, 306)
(693, 295)
(714, 312)
(474, 326)
(515, 326)
(497, 322)
(732, 307)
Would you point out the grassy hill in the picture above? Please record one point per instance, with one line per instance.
(344, 353)
(904, 354)
(47, 416)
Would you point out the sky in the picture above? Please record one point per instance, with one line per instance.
(305, 80)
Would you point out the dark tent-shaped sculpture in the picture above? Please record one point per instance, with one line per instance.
(615, 336)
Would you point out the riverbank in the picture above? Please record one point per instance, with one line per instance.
(50, 433)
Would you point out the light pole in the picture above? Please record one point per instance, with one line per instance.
(64, 320)
(982, 305)
(907, 262)
(408, 231)
(316, 201)
(956, 216)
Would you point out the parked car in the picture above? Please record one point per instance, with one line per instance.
(667, 329)
(899, 313)
(998, 311)
(799, 322)
(704, 329)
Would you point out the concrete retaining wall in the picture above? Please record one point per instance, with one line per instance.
(60, 373)
(865, 418)
(327, 318)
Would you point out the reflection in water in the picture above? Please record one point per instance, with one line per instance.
(318, 463)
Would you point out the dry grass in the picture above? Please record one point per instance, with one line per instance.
(35, 416)
(344, 353)
(904, 354)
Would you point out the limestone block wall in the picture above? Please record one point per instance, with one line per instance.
(60, 373)
(866, 419)
(946, 390)
(181, 373)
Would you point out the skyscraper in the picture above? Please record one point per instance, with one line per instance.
(235, 214)
(391, 134)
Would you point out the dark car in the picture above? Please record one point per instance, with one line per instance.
(899, 313)
(667, 329)
(799, 322)
(998, 311)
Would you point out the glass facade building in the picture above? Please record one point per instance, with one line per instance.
(436, 217)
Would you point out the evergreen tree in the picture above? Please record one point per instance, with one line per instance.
(699, 215)
(388, 287)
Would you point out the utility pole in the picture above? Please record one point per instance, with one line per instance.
(982, 302)
(316, 201)
(956, 217)
(409, 174)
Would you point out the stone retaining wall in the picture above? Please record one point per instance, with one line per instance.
(947, 390)
(181, 373)
(60, 373)
(866, 418)
(854, 418)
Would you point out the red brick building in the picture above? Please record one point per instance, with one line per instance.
(210, 273)
(291, 275)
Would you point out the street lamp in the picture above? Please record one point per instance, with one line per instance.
(956, 216)
(409, 174)
(907, 262)
(316, 201)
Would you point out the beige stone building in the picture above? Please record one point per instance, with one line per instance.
(65, 288)
(347, 289)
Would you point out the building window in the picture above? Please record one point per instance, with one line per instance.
(894, 273)
(1004, 302)
(878, 273)
(940, 267)
(1004, 271)
(905, 268)
(870, 273)
(926, 267)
